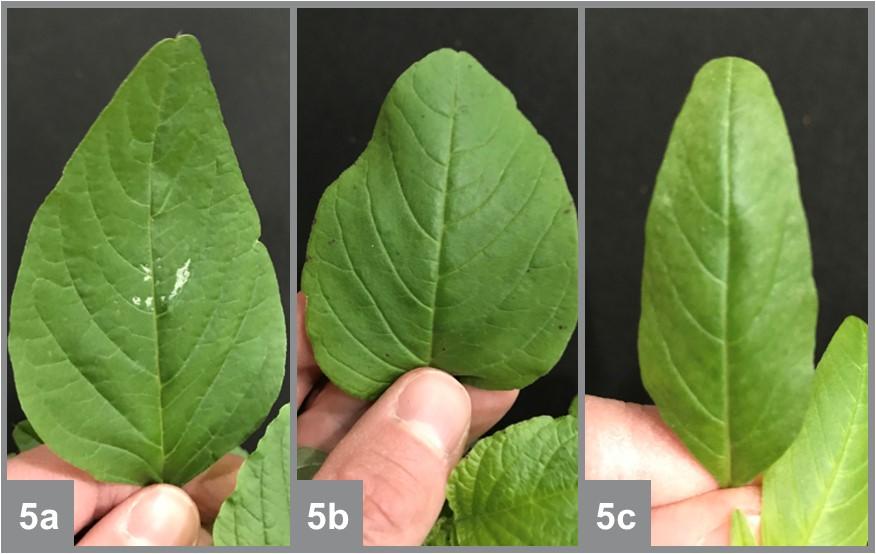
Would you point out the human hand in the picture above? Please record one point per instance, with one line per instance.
(629, 441)
(128, 515)
(402, 447)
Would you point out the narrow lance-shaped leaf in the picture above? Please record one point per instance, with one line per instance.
(518, 487)
(740, 532)
(258, 511)
(451, 242)
(727, 331)
(816, 494)
(146, 329)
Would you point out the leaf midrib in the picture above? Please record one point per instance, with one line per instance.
(727, 208)
(453, 112)
(152, 281)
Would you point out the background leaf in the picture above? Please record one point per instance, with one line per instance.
(258, 511)
(309, 462)
(727, 332)
(24, 436)
(146, 328)
(816, 494)
(451, 242)
(740, 532)
(518, 487)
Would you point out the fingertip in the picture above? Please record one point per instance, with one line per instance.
(435, 408)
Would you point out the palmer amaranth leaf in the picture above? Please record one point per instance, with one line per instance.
(24, 436)
(309, 462)
(518, 487)
(146, 328)
(451, 242)
(740, 532)
(727, 332)
(816, 494)
(258, 511)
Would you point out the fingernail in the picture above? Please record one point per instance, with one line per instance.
(436, 408)
(164, 515)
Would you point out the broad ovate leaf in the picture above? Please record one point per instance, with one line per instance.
(24, 436)
(147, 333)
(451, 242)
(309, 461)
(740, 532)
(727, 331)
(258, 511)
(518, 487)
(816, 494)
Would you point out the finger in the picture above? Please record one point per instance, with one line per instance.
(210, 489)
(487, 408)
(308, 372)
(204, 538)
(705, 519)
(159, 515)
(328, 418)
(91, 499)
(629, 441)
(403, 449)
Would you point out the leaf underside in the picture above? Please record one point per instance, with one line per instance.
(146, 331)
(451, 242)
(518, 487)
(727, 331)
(816, 494)
(258, 511)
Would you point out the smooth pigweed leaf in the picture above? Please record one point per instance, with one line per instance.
(24, 436)
(727, 331)
(146, 330)
(451, 242)
(740, 532)
(258, 511)
(816, 494)
(309, 462)
(516, 487)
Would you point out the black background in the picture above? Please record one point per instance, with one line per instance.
(639, 64)
(64, 66)
(348, 60)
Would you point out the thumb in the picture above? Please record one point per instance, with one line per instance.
(403, 449)
(160, 515)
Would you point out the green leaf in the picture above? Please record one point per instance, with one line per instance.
(518, 487)
(441, 533)
(258, 511)
(24, 436)
(727, 331)
(309, 462)
(451, 242)
(573, 407)
(146, 329)
(740, 532)
(816, 494)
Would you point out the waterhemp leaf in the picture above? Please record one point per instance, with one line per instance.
(451, 242)
(24, 436)
(727, 331)
(258, 511)
(740, 532)
(309, 462)
(146, 331)
(518, 487)
(816, 494)
(573, 407)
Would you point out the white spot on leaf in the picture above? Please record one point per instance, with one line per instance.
(182, 277)
(149, 302)
(136, 300)
(147, 272)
